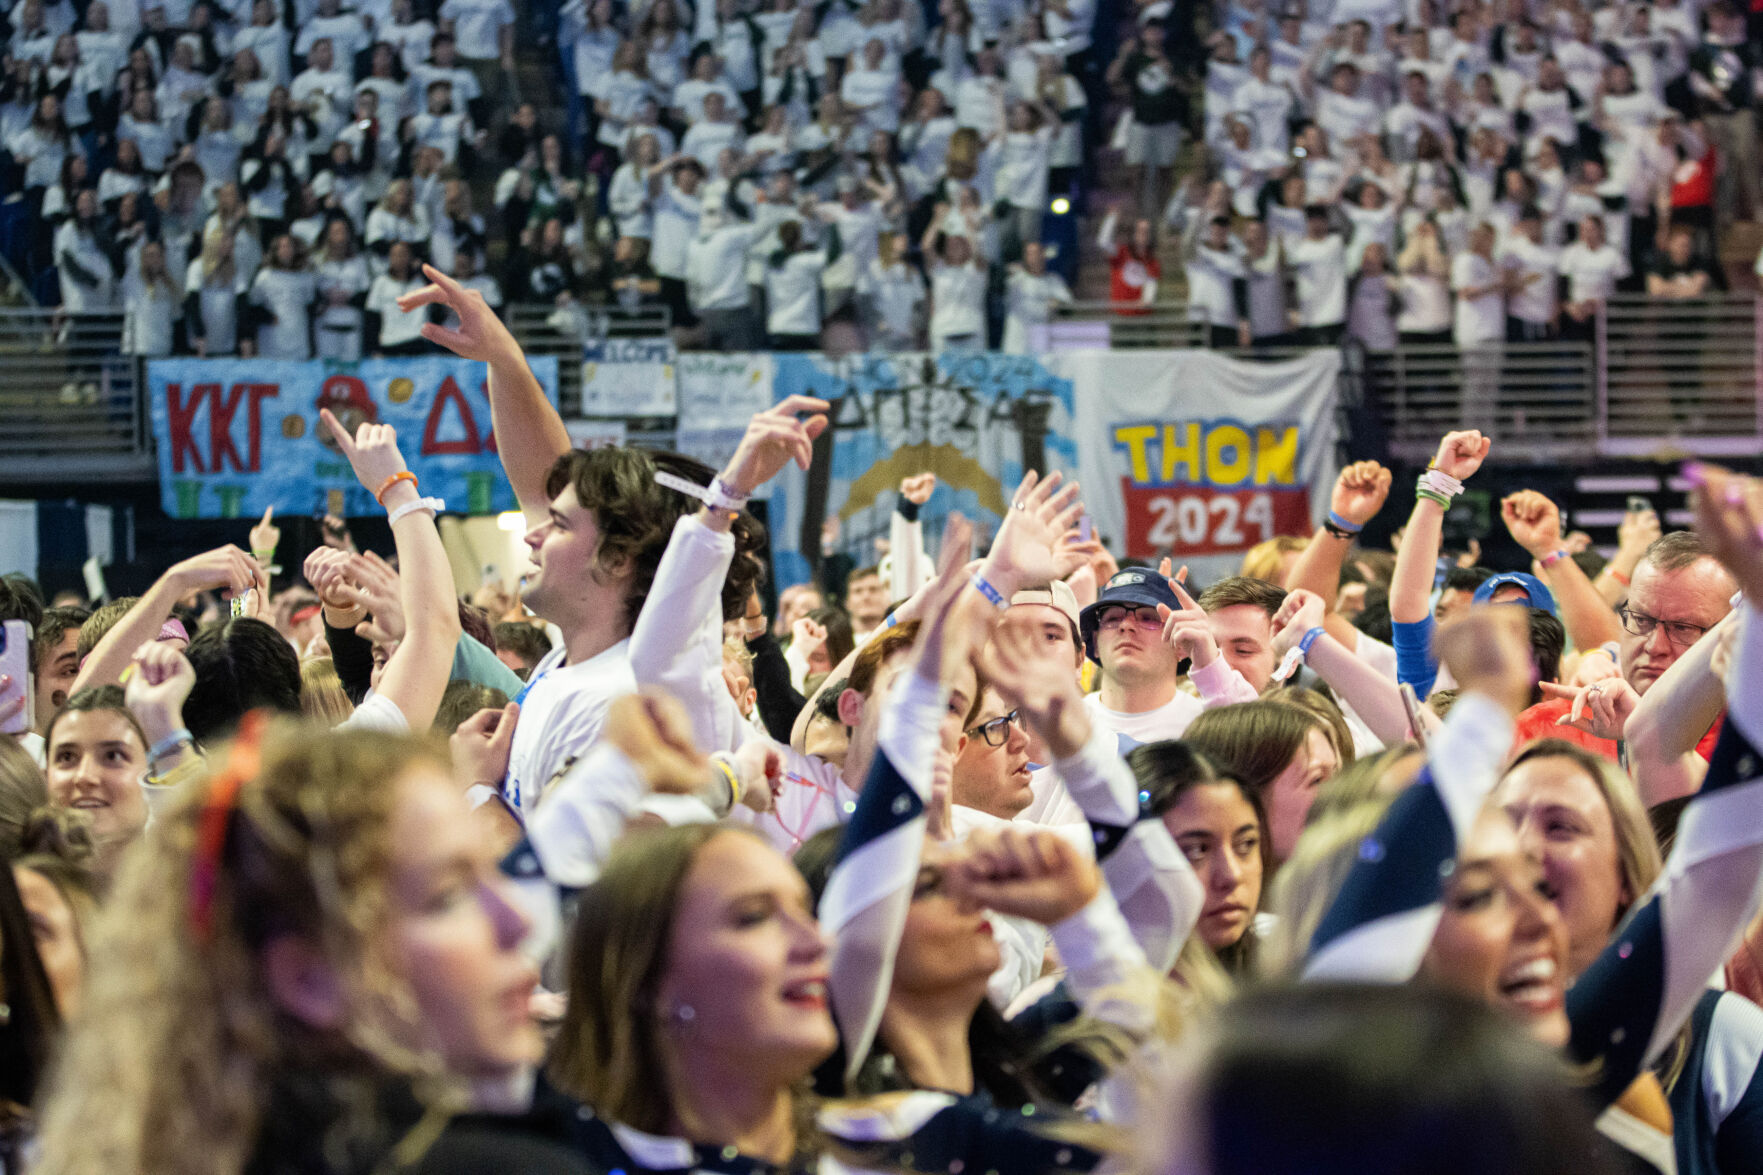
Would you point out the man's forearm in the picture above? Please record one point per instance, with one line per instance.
(530, 434)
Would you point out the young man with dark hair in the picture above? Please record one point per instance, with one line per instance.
(521, 646)
(55, 660)
(866, 599)
(241, 665)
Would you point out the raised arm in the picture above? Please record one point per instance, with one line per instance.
(869, 891)
(226, 568)
(1360, 491)
(1628, 1006)
(676, 644)
(529, 433)
(1381, 922)
(1374, 697)
(1460, 455)
(416, 676)
(1670, 719)
(909, 565)
(1535, 522)
(1147, 873)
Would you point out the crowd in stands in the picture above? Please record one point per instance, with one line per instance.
(263, 178)
(251, 177)
(1026, 860)
(1468, 173)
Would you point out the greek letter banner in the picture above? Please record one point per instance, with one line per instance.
(1198, 456)
(975, 420)
(237, 435)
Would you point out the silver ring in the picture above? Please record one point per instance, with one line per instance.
(1018, 506)
(1596, 688)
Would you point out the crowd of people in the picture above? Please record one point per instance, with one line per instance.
(254, 178)
(1470, 173)
(239, 175)
(1023, 859)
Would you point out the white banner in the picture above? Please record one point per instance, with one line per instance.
(1199, 457)
(628, 377)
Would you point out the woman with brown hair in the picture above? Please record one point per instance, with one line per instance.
(1280, 752)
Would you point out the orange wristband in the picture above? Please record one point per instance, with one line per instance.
(1618, 576)
(380, 494)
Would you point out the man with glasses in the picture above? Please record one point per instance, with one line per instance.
(1677, 594)
(1138, 699)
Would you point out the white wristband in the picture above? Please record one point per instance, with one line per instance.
(434, 504)
(1441, 482)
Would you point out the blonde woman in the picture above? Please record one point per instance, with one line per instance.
(214, 287)
(310, 965)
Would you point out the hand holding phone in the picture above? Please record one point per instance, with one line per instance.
(15, 668)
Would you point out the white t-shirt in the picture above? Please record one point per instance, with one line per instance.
(1481, 319)
(792, 293)
(1592, 273)
(561, 711)
(396, 326)
(477, 24)
(958, 302)
(1170, 720)
(1321, 267)
(376, 713)
(1535, 300)
(288, 295)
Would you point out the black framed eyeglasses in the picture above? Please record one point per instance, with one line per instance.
(1681, 633)
(997, 731)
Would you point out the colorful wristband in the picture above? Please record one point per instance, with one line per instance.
(1553, 557)
(1309, 639)
(1432, 495)
(379, 495)
(984, 588)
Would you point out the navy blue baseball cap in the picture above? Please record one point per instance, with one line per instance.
(1135, 586)
(1537, 593)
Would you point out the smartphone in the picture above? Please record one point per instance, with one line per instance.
(1411, 706)
(15, 662)
(1639, 505)
(1083, 529)
(242, 601)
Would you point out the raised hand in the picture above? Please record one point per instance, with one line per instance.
(1601, 708)
(373, 451)
(1488, 651)
(480, 335)
(1729, 512)
(1636, 532)
(1187, 629)
(226, 568)
(773, 439)
(266, 535)
(806, 635)
(1301, 612)
(942, 640)
(1461, 453)
(1040, 512)
(1535, 522)
(1028, 872)
(917, 489)
(655, 734)
(1036, 678)
(336, 533)
(481, 745)
(155, 693)
(758, 763)
(324, 570)
(1360, 491)
(370, 582)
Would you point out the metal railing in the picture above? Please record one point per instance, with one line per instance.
(1681, 375)
(1536, 400)
(68, 392)
(1122, 326)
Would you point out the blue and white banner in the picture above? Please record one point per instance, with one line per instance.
(237, 435)
(974, 419)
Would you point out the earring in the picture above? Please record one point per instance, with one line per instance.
(683, 1014)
